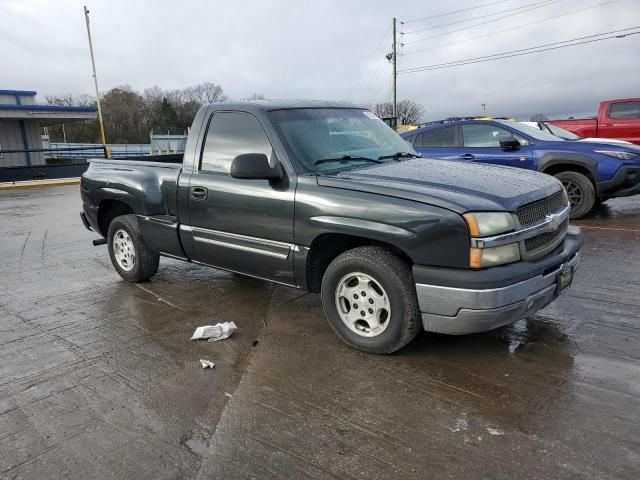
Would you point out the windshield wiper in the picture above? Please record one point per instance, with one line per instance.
(345, 158)
(399, 155)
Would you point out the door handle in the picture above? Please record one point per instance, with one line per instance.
(467, 156)
(199, 193)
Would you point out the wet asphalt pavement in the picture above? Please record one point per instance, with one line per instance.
(98, 377)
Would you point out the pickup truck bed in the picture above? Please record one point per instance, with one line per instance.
(618, 119)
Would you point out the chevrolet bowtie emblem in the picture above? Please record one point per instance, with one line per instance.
(553, 221)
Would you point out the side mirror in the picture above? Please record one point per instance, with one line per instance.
(510, 144)
(254, 166)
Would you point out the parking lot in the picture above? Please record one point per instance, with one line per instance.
(100, 380)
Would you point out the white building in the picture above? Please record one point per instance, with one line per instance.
(21, 121)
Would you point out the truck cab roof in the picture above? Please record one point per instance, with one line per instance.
(270, 105)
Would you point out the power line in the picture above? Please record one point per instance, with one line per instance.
(363, 77)
(476, 18)
(511, 28)
(455, 11)
(546, 4)
(526, 51)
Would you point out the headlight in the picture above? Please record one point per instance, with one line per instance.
(617, 154)
(490, 257)
(483, 224)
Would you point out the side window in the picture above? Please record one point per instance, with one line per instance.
(624, 110)
(439, 137)
(479, 135)
(416, 141)
(229, 135)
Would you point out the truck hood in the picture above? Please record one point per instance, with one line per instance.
(458, 186)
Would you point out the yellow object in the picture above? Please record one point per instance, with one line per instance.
(472, 224)
(475, 258)
(54, 182)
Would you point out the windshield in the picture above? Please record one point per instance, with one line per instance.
(561, 132)
(322, 139)
(530, 131)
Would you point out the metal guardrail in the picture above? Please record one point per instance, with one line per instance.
(71, 162)
(57, 150)
(64, 162)
(41, 172)
(115, 149)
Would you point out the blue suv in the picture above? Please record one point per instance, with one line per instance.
(590, 172)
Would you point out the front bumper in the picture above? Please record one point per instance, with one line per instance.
(476, 301)
(626, 182)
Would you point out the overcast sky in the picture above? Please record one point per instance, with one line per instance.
(329, 49)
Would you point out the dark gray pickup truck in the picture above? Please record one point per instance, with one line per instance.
(327, 198)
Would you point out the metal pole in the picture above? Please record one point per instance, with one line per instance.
(95, 81)
(484, 109)
(395, 74)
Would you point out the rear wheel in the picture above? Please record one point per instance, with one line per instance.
(369, 298)
(581, 192)
(130, 256)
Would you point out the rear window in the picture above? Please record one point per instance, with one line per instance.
(624, 110)
(438, 137)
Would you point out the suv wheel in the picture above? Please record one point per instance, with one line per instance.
(580, 191)
(130, 256)
(369, 298)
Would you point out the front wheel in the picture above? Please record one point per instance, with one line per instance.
(369, 298)
(581, 192)
(130, 256)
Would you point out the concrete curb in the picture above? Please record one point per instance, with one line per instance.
(54, 182)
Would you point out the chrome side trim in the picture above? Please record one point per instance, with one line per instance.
(364, 224)
(552, 223)
(245, 243)
(243, 248)
(448, 301)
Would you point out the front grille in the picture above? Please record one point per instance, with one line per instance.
(536, 212)
(547, 239)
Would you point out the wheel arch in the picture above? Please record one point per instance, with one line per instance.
(554, 163)
(109, 209)
(327, 246)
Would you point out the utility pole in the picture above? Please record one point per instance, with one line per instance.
(395, 73)
(95, 81)
(484, 109)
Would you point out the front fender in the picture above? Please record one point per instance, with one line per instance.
(426, 234)
(548, 160)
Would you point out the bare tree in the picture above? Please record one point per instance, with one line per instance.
(129, 115)
(409, 112)
(205, 93)
(66, 100)
(77, 131)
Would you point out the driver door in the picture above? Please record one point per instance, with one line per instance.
(481, 143)
(236, 224)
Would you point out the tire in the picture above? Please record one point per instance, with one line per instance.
(130, 256)
(581, 191)
(348, 275)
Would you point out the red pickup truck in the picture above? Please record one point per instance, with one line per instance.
(616, 119)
